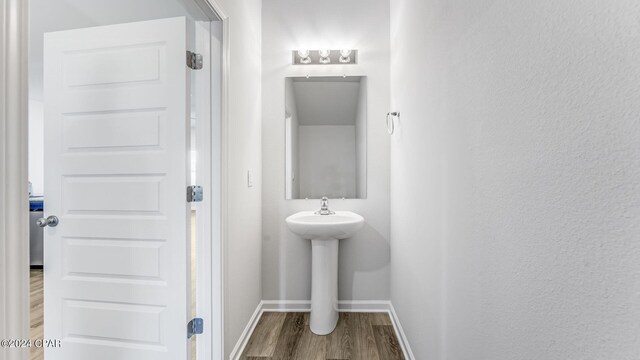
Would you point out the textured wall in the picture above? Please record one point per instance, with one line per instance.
(516, 231)
(334, 24)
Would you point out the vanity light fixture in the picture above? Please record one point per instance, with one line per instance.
(325, 57)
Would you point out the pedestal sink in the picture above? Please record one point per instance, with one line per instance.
(324, 231)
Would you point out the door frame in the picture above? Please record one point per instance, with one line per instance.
(14, 211)
(14, 206)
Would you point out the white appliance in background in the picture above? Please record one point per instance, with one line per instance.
(36, 246)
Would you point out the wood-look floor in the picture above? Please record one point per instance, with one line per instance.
(358, 336)
(36, 330)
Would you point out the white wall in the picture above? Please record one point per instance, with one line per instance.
(36, 146)
(364, 259)
(516, 177)
(243, 247)
(327, 161)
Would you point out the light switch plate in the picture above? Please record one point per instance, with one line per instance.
(249, 178)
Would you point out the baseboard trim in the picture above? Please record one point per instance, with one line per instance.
(305, 306)
(343, 305)
(404, 342)
(364, 306)
(286, 305)
(246, 333)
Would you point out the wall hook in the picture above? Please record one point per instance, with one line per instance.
(391, 121)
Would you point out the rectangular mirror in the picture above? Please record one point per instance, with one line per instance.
(326, 137)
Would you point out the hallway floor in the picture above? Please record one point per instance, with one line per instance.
(358, 336)
(36, 330)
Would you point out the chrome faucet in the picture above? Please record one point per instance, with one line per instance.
(324, 207)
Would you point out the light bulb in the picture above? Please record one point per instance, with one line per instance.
(304, 56)
(324, 56)
(344, 56)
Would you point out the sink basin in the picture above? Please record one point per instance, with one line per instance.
(324, 231)
(341, 225)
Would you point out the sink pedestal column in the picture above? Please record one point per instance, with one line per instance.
(324, 286)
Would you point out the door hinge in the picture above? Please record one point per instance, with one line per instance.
(195, 327)
(194, 193)
(194, 61)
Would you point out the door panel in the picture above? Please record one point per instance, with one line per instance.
(115, 131)
(116, 171)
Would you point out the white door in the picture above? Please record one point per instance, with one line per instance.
(116, 171)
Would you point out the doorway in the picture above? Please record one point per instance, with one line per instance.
(204, 36)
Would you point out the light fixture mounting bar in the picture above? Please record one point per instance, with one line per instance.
(314, 57)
